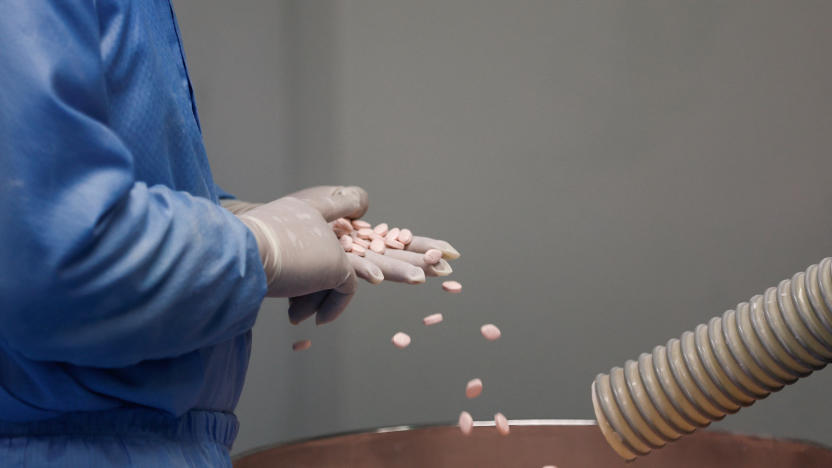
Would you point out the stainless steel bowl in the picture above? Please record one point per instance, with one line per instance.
(532, 444)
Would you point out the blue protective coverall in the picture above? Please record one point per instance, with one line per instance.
(127, 294)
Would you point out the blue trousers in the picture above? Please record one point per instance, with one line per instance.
(120, 438)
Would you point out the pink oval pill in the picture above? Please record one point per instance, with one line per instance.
(362, 242)
(393, 244)
(361, 224)
(432, 256)
(502, 424)
(359, 250)
(474, 388)
(365, 233)
(401, 340)
(550, 466)
(452, 286)
(490, 331)
(381, 229)
(377, 246)
(301, 345)
(342, 224)
(405, 236)
(432, 319)
(393, 234)
(466, 422)
(346, 242)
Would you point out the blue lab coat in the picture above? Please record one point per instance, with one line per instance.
(127, 294)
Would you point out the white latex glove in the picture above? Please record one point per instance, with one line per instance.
(324, 198)
(238, 207)
(394, 265)
(405, 266)
(401, 266)
(302, 257)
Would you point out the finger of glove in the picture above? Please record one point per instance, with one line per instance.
(332, 306)
(303, 307)
(335, 201)
(442, 268)
(337, 300)
(395, 270)
(350, 283)
(365, 269)
(423, 244)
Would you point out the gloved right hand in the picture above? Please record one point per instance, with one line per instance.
(302, 257)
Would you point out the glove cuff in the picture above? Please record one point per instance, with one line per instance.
(269, 247)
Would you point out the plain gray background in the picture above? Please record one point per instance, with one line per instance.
(614, 173)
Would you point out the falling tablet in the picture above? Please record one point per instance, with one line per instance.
(401, 340)
(452, 286)
(301, 345)
(502, 424)
(432, 319)
(466, 422)
(490, 331)
(474, 388)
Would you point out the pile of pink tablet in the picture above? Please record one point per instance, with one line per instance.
(357, 236)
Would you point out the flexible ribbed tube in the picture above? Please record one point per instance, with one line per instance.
(733, 361)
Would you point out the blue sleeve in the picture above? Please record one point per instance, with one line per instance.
(97, 269)
(222, 194)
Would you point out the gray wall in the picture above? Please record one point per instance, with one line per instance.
(613, 172)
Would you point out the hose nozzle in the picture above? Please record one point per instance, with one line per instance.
(732, 361)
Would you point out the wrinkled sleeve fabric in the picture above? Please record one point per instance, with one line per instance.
(97, 269)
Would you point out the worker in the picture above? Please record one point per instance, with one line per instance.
(127, 292)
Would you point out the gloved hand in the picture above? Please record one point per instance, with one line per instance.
(302, 257)
(394, 265)
(399, 266)
(403, 266)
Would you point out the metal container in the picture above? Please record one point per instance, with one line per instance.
(532, 444)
